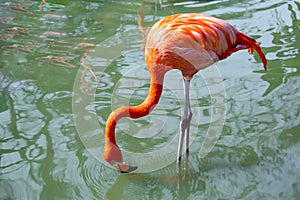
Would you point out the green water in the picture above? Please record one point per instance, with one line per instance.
(66, 64)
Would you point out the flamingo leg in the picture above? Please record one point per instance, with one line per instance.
(185, 121)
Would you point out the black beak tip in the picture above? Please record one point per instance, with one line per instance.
(130, 169)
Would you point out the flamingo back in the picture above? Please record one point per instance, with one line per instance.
(212, 33)
(188, 42)
(192, 41)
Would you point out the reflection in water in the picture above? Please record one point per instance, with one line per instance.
(85, 86)
(58, 60)
(18, 7)
(44, 44)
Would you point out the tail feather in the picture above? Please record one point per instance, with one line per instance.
(243, 41)
(252, 45)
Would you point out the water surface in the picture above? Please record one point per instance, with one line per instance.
(49, 53)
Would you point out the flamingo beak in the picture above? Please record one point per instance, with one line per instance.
(123, 167)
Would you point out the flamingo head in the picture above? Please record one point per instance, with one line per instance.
(113, 155)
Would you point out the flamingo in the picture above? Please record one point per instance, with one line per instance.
(187, 42)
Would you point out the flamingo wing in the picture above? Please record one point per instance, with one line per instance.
(198, 39)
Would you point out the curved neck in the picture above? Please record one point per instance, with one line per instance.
(156, 87)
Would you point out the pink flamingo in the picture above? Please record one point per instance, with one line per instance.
(187, 42)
